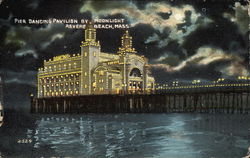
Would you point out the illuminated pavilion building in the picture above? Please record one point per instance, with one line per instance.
(96, 72)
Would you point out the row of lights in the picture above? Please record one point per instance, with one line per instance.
(47, 94)
(67, 83)
(175, 83)
(204, 86)
(59, 66)
(243, 78)
(59, 78)
(59, 89)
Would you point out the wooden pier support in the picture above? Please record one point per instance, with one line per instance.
(206, 102)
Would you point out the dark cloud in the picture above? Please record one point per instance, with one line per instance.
(106, 5)
(187, 19)
(239, 17)
(219, 34)
(140, 34)
(23, 45)
(25, 77)
(165, 15)
(189, 73)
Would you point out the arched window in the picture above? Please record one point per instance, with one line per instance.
(135, 72)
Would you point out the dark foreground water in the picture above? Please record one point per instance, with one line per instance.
(125, 135)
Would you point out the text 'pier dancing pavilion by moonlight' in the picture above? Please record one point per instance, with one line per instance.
(95, 72)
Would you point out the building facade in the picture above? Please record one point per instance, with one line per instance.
(95, 72)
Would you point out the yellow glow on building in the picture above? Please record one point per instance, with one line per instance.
(95, 72)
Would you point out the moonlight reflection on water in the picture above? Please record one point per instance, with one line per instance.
(139, 135)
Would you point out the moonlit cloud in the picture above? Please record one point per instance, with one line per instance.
(235, 68)
(151, 15)
(205, 56)
(30, 40)
(52, 39)
(23, 52)
(164, 67)
(34, 4)
(27, 77)
(241, 17)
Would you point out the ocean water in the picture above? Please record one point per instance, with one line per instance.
(125, 135)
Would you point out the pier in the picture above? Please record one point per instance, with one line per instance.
(226, 100)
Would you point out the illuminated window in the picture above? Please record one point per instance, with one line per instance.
(85, 54)
(85, 86)
(85, 73)
(101, 73)
(94, 54)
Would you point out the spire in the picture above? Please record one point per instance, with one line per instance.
(126, 43)
(126, 40)
(90, 32)
(90, 35)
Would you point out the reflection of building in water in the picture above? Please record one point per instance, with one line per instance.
(79, 136)
(95, 72)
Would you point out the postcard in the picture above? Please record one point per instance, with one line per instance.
(124, 79)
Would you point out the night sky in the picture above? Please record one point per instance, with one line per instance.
(183, 39)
